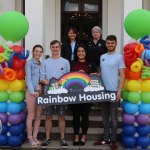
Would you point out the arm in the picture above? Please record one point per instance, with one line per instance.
(43, 79)
(121, 82)
(28, 70)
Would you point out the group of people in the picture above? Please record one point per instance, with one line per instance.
(97, 56)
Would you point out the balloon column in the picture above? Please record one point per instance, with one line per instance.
(13, 27)
(136, 93)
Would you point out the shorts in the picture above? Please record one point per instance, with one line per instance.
(56, 109)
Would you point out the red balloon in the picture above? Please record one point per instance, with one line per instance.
(18, 64)
(17, 48)
(1, 49)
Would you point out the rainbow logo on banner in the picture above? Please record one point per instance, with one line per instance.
(73, 78)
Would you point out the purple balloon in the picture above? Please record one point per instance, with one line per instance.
(128, 119)
(23, 115)
(142, 119)
(3, 117)
(14, 119)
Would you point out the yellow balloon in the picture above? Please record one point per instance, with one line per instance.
(23, 84)
(145, 86)
(133, 86)
(16, 86)
(125, 84)
(3, 85)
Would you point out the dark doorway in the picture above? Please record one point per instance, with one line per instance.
(82, 14)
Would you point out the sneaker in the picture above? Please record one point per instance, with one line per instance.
(101, 142)
(45, 143)
(63, 143)
(114, 145)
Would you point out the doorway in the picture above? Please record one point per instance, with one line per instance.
(81, 14)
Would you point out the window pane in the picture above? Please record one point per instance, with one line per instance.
(91, 5)
(71, 5)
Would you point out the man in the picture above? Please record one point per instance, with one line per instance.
(55, 66)
(112, 70)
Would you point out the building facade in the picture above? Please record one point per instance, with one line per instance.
(46, 17)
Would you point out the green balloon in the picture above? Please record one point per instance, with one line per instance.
(137, 23)
(124, 94)
(145, 97)
(13, 26)
(133, 97)
(3, 96)
(16, 97)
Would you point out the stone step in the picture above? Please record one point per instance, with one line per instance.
(93, 133)
(94, 121)
(54, 145)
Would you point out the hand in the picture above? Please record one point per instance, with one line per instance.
(36, 94)
(82, 71)
(118, 95)
(97, 74)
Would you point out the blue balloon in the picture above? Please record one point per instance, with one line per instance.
(23, 136)
(14, 141)
(144, 108)
(128, 141)
(130, 108)
(3, 107)
(3, 140)
(16, 129)
(128, 130)
(143, 142)
(13, 108)
(143, 130)
(4, 129)
(23, 105)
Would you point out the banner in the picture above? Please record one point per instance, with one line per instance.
(75, 88)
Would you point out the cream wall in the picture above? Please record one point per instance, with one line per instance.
(44, 17)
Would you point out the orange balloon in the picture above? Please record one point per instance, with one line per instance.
(134, 75)
(139, 49)
(9, 74)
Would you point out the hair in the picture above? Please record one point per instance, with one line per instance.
(111, 38)
(97, 28)
(54, 42)
(37, 46)
(74, 31)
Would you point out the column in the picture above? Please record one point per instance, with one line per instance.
(127, 7)
(34, 14)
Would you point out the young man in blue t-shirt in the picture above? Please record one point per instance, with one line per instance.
(112, 70)
(55, 66)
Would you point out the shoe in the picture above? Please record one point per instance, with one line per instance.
(37, 141)
(45, 143)
(81, 143)
(63, 143)
(32, 143)
(75, 143)
(114, 145)
(101, 142)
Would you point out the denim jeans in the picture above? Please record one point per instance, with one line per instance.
(110, 119)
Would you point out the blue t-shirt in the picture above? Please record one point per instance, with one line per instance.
(54, 68)
(110, 65)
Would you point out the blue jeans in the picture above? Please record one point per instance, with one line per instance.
(110, 109)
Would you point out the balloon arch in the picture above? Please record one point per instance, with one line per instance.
(136, 93)
(13, 27)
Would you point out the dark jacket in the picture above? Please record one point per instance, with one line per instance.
(66, 51)
(94, 51)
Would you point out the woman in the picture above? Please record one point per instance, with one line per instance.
(96, 47)
(69, 47)
(81, 110)
(33, 90)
